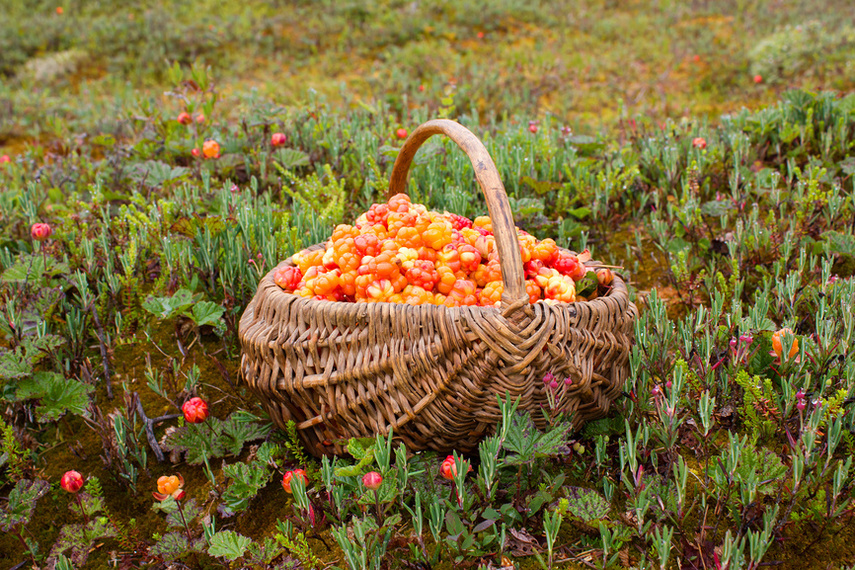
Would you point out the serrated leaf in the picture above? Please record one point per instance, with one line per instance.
(57, 395)
(14, 364)
(586, 504)
(154, 174)
(21, 503)
(290, 158)
(236, 433)
(197, 441)
(247, 480)
(717, 208)
(207, 313)
(79, 539)
(540, 186)
(170, 545)
(166, 307)
(229, 545)
(580, 213)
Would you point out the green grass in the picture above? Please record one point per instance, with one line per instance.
(717, 445)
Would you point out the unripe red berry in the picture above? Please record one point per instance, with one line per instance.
(71, 481)
(372, 480)
(195, 410)
(278, 139)
(290, 475)
(40, 231)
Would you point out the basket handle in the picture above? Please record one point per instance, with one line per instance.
(514, 295)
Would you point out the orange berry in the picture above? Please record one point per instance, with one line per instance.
(778, 345)
(408, 236)
(545, 251)
(399, 203)
(491, 294)
(470, 258)
(533, 291)
(438, 234)
(483, 222)
(446, 279)
(561, 288)
(211, 149)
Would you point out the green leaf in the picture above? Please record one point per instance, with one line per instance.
(586, 505)
(290, 158)
(197, 441)
(453, 523)
(166, 307)
(247, 480)
(229, 545)
(207, 313)
(540, 187)
(57, 395)
(717, 208)
(80, 538)
(580, 213)
(154, 174)
(170, 546)
(21, 503)
(236, 433)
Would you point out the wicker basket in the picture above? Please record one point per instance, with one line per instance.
(342, 370)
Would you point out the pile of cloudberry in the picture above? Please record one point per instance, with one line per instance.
(400, 252)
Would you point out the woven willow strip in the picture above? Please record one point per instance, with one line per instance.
(341, 370)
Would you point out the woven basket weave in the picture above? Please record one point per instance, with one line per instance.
(342, 370)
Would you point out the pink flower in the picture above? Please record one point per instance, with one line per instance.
(372, 480)
(71, 481)
(699, 142)
(40, 231)
(195, 410)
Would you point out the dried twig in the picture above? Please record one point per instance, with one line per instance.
(149, 427)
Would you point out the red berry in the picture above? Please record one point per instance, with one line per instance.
(184, 118)
(40, 231)
(195, 410)
(401, 133)
(699, 142)
(71, 481)
(278, 139)
(5, 158)
(372, 480)
(290, 476)
(758, 78)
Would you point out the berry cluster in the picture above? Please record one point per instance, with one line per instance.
(400, 252)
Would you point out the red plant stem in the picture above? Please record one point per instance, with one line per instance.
(17, 533)
(377, 506)
(82, 510)
(184, 522)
